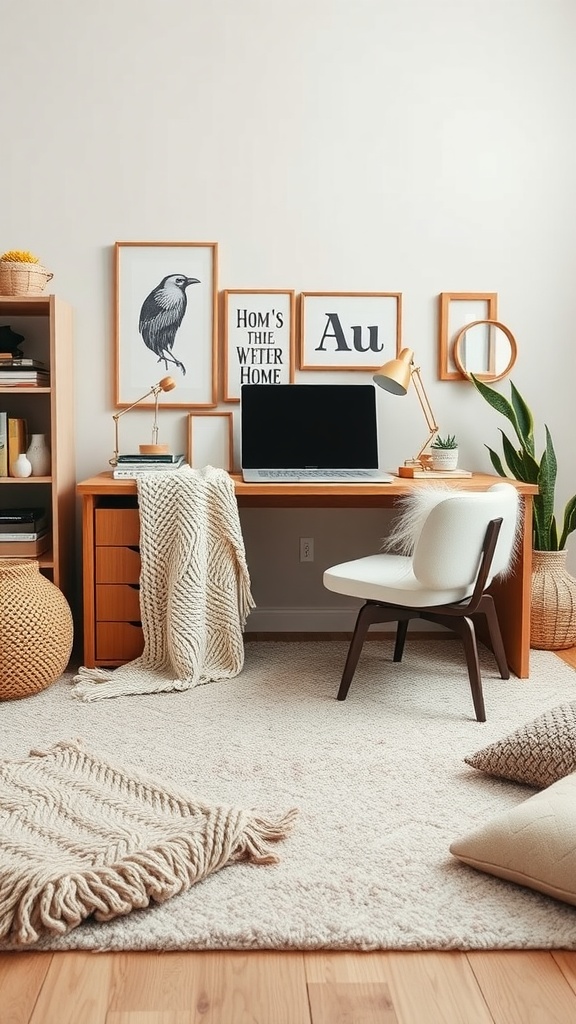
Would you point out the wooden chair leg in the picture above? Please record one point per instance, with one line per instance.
(369, 614)
(468, 634)
(401, 632)
(488, 609)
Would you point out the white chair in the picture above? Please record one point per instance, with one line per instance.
(466, 539)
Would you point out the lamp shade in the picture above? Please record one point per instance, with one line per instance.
(395, 375)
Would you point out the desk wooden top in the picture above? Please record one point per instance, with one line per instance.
(311, 494)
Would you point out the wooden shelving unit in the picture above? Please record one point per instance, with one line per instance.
(45, 321)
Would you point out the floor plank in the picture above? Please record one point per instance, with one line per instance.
(21, 978)
(430, 987)
(210, 987)
(523, 987)
(76, 989)
(567, 964)
(351, 1002)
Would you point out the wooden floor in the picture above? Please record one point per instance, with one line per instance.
(481, 987)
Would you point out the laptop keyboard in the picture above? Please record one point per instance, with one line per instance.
(315, 474)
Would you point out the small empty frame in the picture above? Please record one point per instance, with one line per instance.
(211, 440)
(457, 311)
(485, 348)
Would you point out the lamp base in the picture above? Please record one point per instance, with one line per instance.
(153, 449)
(418, 473)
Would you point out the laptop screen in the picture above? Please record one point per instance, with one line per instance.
(308, 426)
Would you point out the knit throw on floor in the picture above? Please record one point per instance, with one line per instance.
(80, 838)
(194, 587)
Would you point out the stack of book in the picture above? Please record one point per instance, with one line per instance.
(129, 466)
(23, 372)
(24, 532)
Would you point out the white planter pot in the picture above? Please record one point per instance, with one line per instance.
(444, 458)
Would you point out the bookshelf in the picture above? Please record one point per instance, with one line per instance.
(45, 321)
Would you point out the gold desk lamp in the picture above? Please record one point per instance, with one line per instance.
(166, 384)
(395, 376)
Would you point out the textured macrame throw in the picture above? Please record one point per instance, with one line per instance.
(194, 587)
(80, 838)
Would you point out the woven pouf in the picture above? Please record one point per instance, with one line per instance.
(36, 629)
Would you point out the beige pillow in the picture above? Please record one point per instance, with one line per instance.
(538, 753)
(534, 844)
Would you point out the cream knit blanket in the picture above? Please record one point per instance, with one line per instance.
(194, 587)
(80, 837)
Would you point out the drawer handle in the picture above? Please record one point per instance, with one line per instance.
(133, 547)
(136, 623)
(133, 586)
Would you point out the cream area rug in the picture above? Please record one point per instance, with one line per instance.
(379, 781)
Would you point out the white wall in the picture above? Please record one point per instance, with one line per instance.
(325, 145)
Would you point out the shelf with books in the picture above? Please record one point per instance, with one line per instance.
(44, 323)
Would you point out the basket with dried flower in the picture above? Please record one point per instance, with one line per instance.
(21, 273)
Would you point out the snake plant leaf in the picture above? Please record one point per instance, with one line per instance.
(496, 461)
(547, 477)
(524, 419)
(499, 403)
(569, 522)
(515, 462)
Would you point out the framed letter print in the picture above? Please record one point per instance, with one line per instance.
(456, 310)
(211, 440)
(349, 331)
(166, 321)
(258, 339)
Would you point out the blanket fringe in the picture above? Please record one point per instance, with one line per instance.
(259, 832)
(124, 682)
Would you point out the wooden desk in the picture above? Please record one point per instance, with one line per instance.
(111, 562)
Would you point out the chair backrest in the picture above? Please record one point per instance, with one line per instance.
(448, 551)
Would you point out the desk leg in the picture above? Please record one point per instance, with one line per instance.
(88, 580)
(512, 599)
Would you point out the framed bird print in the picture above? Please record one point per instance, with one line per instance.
(258, 339)
(166, 321)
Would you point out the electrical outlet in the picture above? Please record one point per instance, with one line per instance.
(306, 549)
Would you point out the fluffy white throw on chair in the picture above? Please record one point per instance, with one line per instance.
(194, 587)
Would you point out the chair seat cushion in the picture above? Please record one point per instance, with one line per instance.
(387, 578)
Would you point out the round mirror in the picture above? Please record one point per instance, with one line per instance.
(486, 348)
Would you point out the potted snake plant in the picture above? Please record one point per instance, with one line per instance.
(552, 622)
(444, 453)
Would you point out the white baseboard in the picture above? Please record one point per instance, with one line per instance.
(304, 620)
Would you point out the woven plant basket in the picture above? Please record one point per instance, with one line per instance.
(35, 629)
(23, 278)
(553, 602)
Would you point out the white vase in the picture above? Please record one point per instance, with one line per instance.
(39, 455)
(22, 466)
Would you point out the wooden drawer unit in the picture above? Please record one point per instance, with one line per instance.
(111, 535)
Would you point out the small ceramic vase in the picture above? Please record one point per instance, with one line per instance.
(22, 466)
(39, 455)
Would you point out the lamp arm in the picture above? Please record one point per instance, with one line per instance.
(426, 408)
(155, 390)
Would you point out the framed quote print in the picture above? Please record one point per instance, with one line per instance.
(348, 330)
(258, 339)
(166, 321)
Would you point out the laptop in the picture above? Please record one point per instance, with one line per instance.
(309, 433)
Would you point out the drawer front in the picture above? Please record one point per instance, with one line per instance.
(117, 565)
(117, 526)
(118, 641)
(117, 602)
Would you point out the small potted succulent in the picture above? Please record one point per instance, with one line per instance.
(444, 453)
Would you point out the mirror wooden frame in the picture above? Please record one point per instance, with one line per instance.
(458, 340)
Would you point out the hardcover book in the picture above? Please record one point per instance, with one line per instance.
(3, 444)
(166, 457)
(21, 515)
(17, 440)
(25, 548)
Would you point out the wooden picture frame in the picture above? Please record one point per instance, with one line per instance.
(456, 311)
(211, 440)
(172, 332)
(258, 342)
(348, 330)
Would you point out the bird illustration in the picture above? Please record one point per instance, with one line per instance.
(162, 314)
